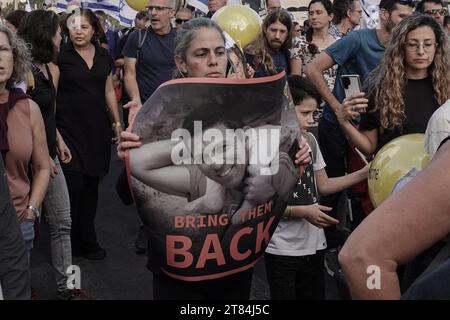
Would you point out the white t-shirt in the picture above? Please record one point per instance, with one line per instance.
(298, 237)
(438, 128)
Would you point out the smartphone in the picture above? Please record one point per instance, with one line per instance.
(352, 85)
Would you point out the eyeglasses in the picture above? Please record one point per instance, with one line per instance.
(441, 12)
(181, 21)
(157, 9)
(414, 47)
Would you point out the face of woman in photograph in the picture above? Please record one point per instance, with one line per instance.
(224, 168)
(318, 16)
(420, 48)
(80, 30)
(206, 55)
(6, 58)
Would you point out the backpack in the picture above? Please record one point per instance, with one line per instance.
(312, 144)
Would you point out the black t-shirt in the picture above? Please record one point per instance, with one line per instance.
(121, 44)
(81, 114)
(44, 95)
(420, 105)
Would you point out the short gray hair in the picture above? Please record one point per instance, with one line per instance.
(21, 55)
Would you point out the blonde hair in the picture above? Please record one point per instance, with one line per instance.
(387, 83)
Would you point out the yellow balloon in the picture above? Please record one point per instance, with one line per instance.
(392, 162)
(242, 23)
(137, 5)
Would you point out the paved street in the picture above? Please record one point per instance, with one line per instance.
(123, 274)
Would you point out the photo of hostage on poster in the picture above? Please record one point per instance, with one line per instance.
(213, 176)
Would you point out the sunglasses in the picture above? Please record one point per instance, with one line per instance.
(441, 12)
(181, 21)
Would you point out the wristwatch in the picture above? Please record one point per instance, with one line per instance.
(34, 210)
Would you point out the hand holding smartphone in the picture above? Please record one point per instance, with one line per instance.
(352, 85)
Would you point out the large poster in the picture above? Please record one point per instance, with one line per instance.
(213, 176)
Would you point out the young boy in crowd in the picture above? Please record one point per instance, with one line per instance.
(295, 255)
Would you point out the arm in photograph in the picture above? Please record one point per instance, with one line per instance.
(113, 106)
(62, 149)
(313, 213)
(365, 140)
(328, 185)
(152, 164)
(403, 226)
(314, 72)
(119, 63)
(296, 66)
(130, 80)
(39, 157)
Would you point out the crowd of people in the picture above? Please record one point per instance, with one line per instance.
(60, 111)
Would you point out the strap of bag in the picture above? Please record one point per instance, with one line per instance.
(141, 42)
(312, 144)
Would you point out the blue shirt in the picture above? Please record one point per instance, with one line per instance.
(156, 63)
(359, 52)
(280, 61)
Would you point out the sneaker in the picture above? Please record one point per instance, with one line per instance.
(331, 262)
(140, 245)
(98, 254)
(73, 294)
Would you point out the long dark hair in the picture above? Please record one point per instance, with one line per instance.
(38, 29)
(260, 48)
(92, 20)
(309, 33)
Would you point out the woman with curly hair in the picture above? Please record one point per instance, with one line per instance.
(411, 82)
(22, 136)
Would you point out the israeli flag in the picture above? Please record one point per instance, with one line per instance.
(117, 9)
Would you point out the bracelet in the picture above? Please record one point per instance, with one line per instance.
(117, 124)
(288, 214)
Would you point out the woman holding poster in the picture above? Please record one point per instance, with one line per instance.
(202, 254)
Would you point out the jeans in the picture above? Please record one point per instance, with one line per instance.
(56, 206)
(27, 228)
(296, 278)
(14, 267)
